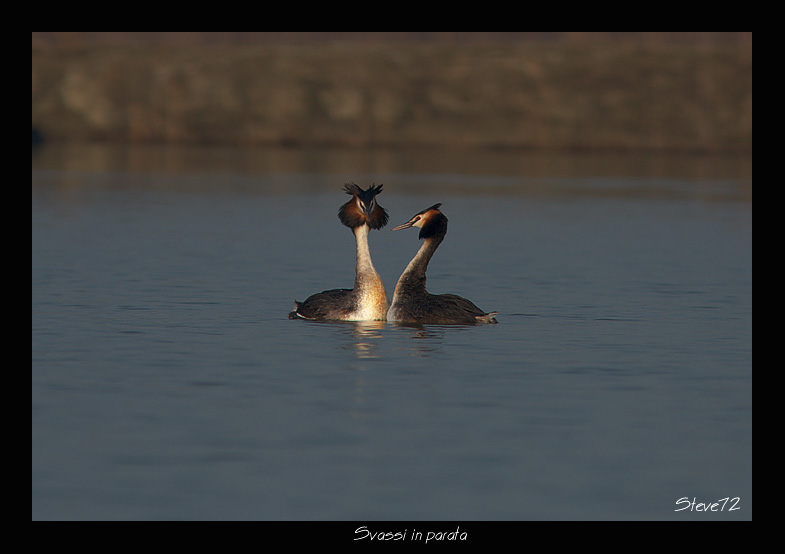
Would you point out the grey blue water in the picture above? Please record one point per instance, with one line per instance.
(168, 383)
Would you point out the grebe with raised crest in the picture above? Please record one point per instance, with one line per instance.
(368, 299)
(411, 303)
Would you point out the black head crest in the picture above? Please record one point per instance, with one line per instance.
(434, 207)
(363, 208)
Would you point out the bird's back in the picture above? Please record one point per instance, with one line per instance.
(444, 309)
(334, 304)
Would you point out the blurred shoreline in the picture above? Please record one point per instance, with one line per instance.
(433, 171)
(685, 93)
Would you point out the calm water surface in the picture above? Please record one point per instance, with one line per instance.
(167, 382)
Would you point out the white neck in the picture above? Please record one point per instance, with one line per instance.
(367, 283)
(364, 267)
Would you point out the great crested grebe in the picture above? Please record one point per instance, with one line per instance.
(411, 302)
(368, 299)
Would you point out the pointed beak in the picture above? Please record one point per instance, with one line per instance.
(404, 226)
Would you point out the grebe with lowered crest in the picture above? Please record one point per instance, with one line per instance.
(411, 303)
(368, 299)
